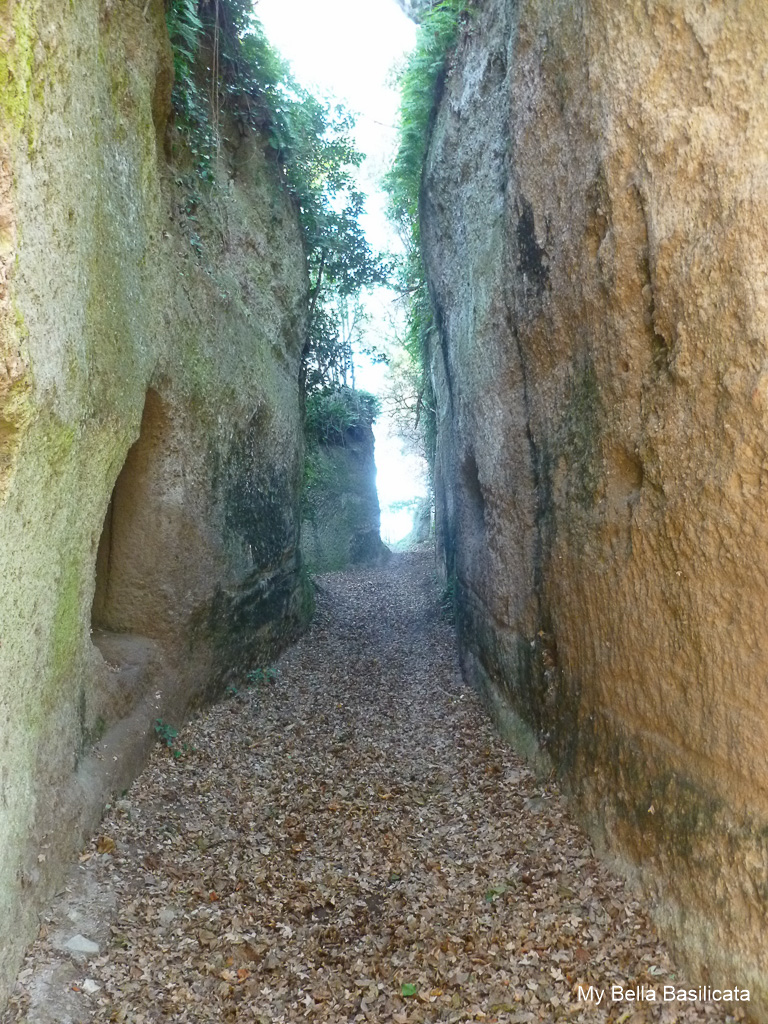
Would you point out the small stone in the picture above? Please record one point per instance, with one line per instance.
(79, 944)
(90, 986)
(167, 916)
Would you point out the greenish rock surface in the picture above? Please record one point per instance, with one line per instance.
(150, 427)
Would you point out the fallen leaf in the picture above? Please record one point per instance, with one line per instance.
(433, 823)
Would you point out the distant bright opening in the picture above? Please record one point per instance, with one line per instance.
(347, 49)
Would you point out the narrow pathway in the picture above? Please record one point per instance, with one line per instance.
(349, 841)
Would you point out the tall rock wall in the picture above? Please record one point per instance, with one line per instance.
(595, 226)
(150, 428)
(342, 518)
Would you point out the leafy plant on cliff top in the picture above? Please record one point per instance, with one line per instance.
(331, 414)
(419, 91)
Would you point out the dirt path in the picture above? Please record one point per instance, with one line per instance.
(347, 842)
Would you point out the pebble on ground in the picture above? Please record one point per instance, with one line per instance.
(349, 841)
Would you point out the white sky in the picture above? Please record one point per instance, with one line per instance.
(346, 50)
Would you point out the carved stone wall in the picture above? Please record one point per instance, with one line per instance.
(595, 226)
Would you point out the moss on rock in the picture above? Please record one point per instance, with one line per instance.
(157, 444)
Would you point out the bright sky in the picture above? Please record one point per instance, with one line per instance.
(346, 50)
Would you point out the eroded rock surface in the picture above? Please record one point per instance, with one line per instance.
(595, 229)
(150, 337)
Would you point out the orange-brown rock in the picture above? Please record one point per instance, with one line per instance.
(595, 226)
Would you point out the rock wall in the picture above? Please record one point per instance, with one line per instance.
(150, 427)
(421, 532)
(415, 9)
(342, 518)
(595, 226)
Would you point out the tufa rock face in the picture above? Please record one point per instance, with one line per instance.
(595, 227)
(342, 519)
(150, 428)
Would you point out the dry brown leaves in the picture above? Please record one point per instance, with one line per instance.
(352, 842)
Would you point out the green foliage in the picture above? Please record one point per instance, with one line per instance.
(165, 732)
(223, 65)
(262, 675)
(420, 84)
(167, 735)
(409, 402)
(341, 265)
(332, 414)
(418, 96)
(254, 679)
(495, 891)
(228, 77)
(186, 30)
(314, 140)
(337, 324)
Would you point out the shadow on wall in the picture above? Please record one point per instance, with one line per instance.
(471, 507)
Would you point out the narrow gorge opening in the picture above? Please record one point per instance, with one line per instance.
(578, 222)
(352, 52)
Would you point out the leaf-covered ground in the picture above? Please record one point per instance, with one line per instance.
(349, 841)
